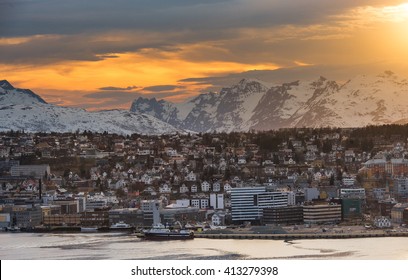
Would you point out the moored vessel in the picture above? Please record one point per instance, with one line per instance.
(160, 232)
(120, 226)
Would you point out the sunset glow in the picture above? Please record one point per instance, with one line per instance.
(74, 59)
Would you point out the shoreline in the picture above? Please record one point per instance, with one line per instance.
(303, 232)
(299, 235)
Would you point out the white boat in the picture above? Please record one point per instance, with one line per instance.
(12, 229)
(212, 227)
(120, 226)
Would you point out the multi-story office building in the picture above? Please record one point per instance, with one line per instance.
(247, 203)
(151, 212)
(322, 213)
(58, 220)
(244, 204)
(283, 215)
(95, 218)
(24, 216)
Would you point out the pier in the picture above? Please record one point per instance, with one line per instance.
(292, 236)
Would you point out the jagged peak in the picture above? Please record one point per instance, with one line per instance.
(245, 81)
(247, 84)
(6, 85)
(321, 81)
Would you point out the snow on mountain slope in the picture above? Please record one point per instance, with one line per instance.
(228, 110)
(24, 110)
(373, 100)
(11, 95)
(364, 100)
(251, 104)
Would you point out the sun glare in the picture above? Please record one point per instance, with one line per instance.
(397, 13)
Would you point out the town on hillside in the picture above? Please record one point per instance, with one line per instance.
(298, 176)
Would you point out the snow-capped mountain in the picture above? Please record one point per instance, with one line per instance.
(22, 109)
(228, 110)
(252, 104)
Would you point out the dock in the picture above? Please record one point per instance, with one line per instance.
(293, 236)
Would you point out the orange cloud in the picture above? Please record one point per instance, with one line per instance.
(361, 35)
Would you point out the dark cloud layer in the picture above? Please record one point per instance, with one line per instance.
(118, 88)
(160, 88)
(48, 49)
(77, 16)
(286, 75)
(75, 29)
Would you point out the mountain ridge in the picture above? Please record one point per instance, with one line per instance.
(254, 105)
(24, 110)
(247, 105)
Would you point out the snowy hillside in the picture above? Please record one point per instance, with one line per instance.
(24, 110)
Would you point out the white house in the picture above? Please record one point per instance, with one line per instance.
(194, 189)
(270, 170)
(120, 184)
(146, 179)
(201, 203)
(227, 188)
(204, 203)
(217, 187)
(222, 164)
(289, 161)
(118, 166)
(317, 176)
(205, 186)
(165, 188)
(183, 189)
(191, 177)
(218, 219)
(195, 203)
(242, 161)
(94, 176)
(150, 190)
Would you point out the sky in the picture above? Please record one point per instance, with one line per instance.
(103, 54)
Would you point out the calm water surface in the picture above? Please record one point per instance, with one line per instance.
(117, 246)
